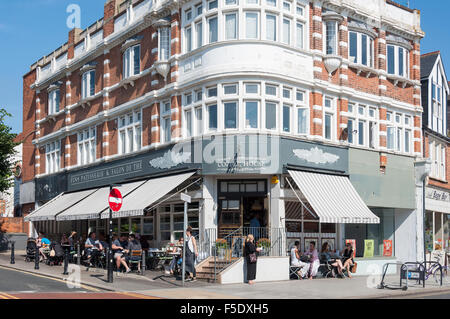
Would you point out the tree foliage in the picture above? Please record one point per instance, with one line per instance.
(7, 145)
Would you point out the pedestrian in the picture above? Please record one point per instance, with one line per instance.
(191, 254)
(250, 251)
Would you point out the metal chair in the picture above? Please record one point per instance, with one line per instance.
(135, 258)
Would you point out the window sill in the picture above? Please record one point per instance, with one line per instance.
(396, 79)
(436, 179)
(361, 68)
(51, 117)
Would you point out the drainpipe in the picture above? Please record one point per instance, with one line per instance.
(423, 169)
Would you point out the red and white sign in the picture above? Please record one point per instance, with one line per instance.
(115, 200)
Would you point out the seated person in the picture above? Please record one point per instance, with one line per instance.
(92, 244)
(326, 255)
(134, 244)
(103, 241)
(314, 259)
(43, 244)
(119, 248)
(296, 262)
(177, 258)
(347, 261)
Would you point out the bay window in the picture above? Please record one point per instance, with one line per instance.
(251, 114)
(132, 61)
(88, 84)
(188, 39)
(302, 120)
(271, 27)
(330, 37)
(213, 32)
(53, 101)
(361, 48)
(212, 117)
(199, 121)
(199, 32)
(231, 115)
(286, 31)
(231, 29)
(164, 43)
(271, 116)
(130, 133)
(86, 146)
(287, 118)
(397, 60)
(251, 25)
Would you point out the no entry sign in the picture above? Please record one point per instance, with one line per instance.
(115, 200)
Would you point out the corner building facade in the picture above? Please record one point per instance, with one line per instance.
(252, 91)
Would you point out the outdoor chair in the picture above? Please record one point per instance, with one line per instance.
(293, 272)
(135, 258)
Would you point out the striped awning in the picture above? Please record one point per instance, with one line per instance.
(57, 205)
(147, 194)
(333, 198)
(93, 205)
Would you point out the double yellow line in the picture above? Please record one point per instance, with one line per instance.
(4, 295)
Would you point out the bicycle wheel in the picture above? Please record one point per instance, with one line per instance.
(437, 276)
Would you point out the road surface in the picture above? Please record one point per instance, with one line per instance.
(16, 284)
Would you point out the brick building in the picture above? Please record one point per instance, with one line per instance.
(239, 103)
(435, 92)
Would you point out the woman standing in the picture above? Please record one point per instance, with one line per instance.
(250, 254)
(191, 254)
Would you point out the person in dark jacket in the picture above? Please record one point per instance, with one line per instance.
(250, 249)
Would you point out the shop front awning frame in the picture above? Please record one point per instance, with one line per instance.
(351, 208)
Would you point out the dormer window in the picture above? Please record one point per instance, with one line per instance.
(88, 84)
(132, 61)
(54, 97)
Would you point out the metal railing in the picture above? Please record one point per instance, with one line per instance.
(229, 249)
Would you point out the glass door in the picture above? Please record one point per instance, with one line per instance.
(230, 216)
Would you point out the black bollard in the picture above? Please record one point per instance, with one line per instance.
(66, 260)
(13, 261)
(143, 262)
(36, 258)
(78, 254)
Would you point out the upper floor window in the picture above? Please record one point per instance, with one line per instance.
(361, 48)
(86, 146)
(53, 101)
(397, 60)
(330, 37)
(164, 44)
(130, 133)
(52, 157)
(251, 25)
(166, 122)
(132, 61)
(437, 155)
(212, 4)
(88, 84)
(212, 29)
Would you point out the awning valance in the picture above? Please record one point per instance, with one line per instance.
(93, 205)
(151, 191)
(333, 198)
(57, 205)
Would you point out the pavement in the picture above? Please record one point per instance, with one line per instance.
(155, 285)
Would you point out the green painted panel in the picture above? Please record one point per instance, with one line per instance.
(394, 189)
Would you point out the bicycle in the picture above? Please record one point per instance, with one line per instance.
(437, 270)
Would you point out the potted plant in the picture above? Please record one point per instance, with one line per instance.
(263, 243)
(221, 245)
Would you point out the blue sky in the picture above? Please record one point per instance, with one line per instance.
(30, 29)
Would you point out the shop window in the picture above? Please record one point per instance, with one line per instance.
(311, 227)
(124, 226)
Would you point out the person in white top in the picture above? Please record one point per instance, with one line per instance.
(296, 262)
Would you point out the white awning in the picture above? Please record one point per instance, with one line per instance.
(333, 198)
(151, 191)
(58, 205)
(93, 205)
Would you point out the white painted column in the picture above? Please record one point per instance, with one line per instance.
(209, 209)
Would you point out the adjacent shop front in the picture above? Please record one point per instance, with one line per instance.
(437, 219)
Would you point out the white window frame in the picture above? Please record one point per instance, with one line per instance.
(331, 111)
(396, 64)
(164, 43)
(54, 101)
(53, 157)
(325, 40)
(129, 61)
(125, 145)
(369, 48)
(87, 146)
(166, 121)
(86, 84)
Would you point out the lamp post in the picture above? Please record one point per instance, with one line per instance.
(109, 252)
(186, 199)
